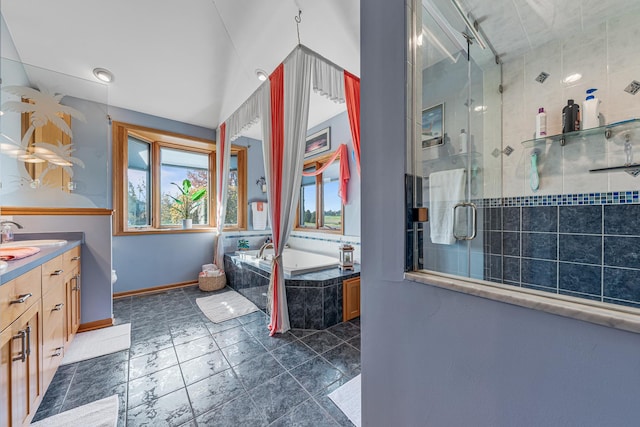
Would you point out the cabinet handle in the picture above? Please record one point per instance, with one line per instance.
(77, 286)
(28, 330)
(57, 272)
(58, 307)
(22, 298)
(22, 336)
(75, 258)
(58, 352)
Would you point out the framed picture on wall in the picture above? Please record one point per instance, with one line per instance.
(433, 126)
(317, 143)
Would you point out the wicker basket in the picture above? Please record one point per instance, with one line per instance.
(212, 283)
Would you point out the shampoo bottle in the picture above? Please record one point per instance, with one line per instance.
(464, 142)
(570, 117)
(591, 111)
(541, 123)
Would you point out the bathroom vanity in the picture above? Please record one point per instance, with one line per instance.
(39, 317)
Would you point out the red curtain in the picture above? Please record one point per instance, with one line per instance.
(277, 143)
(352, 92)
(344, 170)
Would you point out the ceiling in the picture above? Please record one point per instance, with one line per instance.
(515, 26)
(193, 61)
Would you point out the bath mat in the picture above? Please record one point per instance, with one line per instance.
(225, 305)
(87, 345)
(101, 413)
(347, 398)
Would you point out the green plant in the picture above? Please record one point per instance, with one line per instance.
(189, 199)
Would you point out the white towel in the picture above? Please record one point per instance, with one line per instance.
(260, 215)
(446, 189)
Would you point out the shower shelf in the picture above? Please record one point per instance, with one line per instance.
(607, 131)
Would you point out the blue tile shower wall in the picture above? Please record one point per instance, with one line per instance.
(583, 245)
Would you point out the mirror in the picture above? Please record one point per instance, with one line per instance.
(53, 132)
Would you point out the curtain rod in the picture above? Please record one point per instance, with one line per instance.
(298, 46)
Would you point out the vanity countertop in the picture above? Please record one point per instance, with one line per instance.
(19, 267)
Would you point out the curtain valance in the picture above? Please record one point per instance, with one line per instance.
(328, 80)
(246, 115)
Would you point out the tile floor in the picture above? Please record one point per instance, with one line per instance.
(184, 370)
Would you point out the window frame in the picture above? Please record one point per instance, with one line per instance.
(163, 139)
(319, 162)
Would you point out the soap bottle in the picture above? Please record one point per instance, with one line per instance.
(541, 123)
(590, 111)
(570, 117)
(6, 233)
(464, 142)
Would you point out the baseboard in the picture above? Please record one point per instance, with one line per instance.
(96, 324)
(154, 290)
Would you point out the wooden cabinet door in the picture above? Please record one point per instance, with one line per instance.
(21, 369)
(72, 314)
(6, 352)
(350, 299)
(53, 315)
(71, 266)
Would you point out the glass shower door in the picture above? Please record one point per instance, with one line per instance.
(457, 167)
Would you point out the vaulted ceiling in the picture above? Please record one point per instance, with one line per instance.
(195, 61)
(192, 61)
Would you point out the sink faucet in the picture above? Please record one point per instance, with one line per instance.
(263, 247)
(6, 234)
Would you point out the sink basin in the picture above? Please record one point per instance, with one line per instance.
(37, 243)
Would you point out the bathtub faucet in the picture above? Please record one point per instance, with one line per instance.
(263, 247)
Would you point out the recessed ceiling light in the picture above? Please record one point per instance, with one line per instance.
(480, 108)
(261, 74)
(572, 78)
(103, 75)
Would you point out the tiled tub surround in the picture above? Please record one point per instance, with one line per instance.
(314, 299)
(587, 251)
(317, 242)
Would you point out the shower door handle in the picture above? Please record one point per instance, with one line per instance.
(474, 222)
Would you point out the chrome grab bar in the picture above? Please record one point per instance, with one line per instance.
(474, 220)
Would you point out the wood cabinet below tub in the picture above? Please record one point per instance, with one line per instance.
(350, 298)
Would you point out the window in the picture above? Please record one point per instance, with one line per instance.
(235, 188)
(157, 163)
(320, 206)
(176, 166)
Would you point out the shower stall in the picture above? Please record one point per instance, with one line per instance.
(458, 110)
(555, 213)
